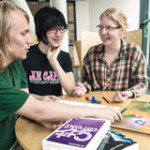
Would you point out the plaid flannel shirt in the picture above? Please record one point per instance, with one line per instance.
(127, 72)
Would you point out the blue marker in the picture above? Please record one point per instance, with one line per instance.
(94, 100)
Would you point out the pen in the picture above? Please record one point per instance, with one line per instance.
(132, 115)
(105, 99)
(93, 100)
(124, 109)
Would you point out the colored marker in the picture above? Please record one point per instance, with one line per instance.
(124, 109)
(107, 101)
(93, 99)
(100, 101)
(131, 115)
(96, 100)
(88, 98)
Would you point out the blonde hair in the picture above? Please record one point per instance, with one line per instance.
(5, 25)
(117, 16)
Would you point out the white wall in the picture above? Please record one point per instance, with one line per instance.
(95, 7)
(82, 17)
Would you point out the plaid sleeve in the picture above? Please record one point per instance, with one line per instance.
(139, 79)
(85, 72)
(85, 81)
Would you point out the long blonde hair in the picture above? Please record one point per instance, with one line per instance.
(5, 25)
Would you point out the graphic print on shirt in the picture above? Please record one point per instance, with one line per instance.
(45, 77)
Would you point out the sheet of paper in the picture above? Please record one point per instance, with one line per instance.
(84, 104)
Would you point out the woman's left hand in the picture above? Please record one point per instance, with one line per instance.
(121, 96)
(52, 54)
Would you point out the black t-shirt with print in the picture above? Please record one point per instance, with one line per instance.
(42, 79)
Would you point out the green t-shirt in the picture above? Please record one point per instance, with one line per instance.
(11, 99)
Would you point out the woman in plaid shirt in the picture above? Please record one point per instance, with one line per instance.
(114, 65)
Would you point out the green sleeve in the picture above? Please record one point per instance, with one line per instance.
(11, 99)
(24, 82)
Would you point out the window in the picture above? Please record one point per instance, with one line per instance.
(145, 26)
(71, 22)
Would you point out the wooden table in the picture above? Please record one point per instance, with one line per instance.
(30, 134)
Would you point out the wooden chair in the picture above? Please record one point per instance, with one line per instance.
(134, 36)
(88, 39)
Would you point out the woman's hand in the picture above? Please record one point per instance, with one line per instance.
(122, 96)
(80, 89)
(52, 54)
